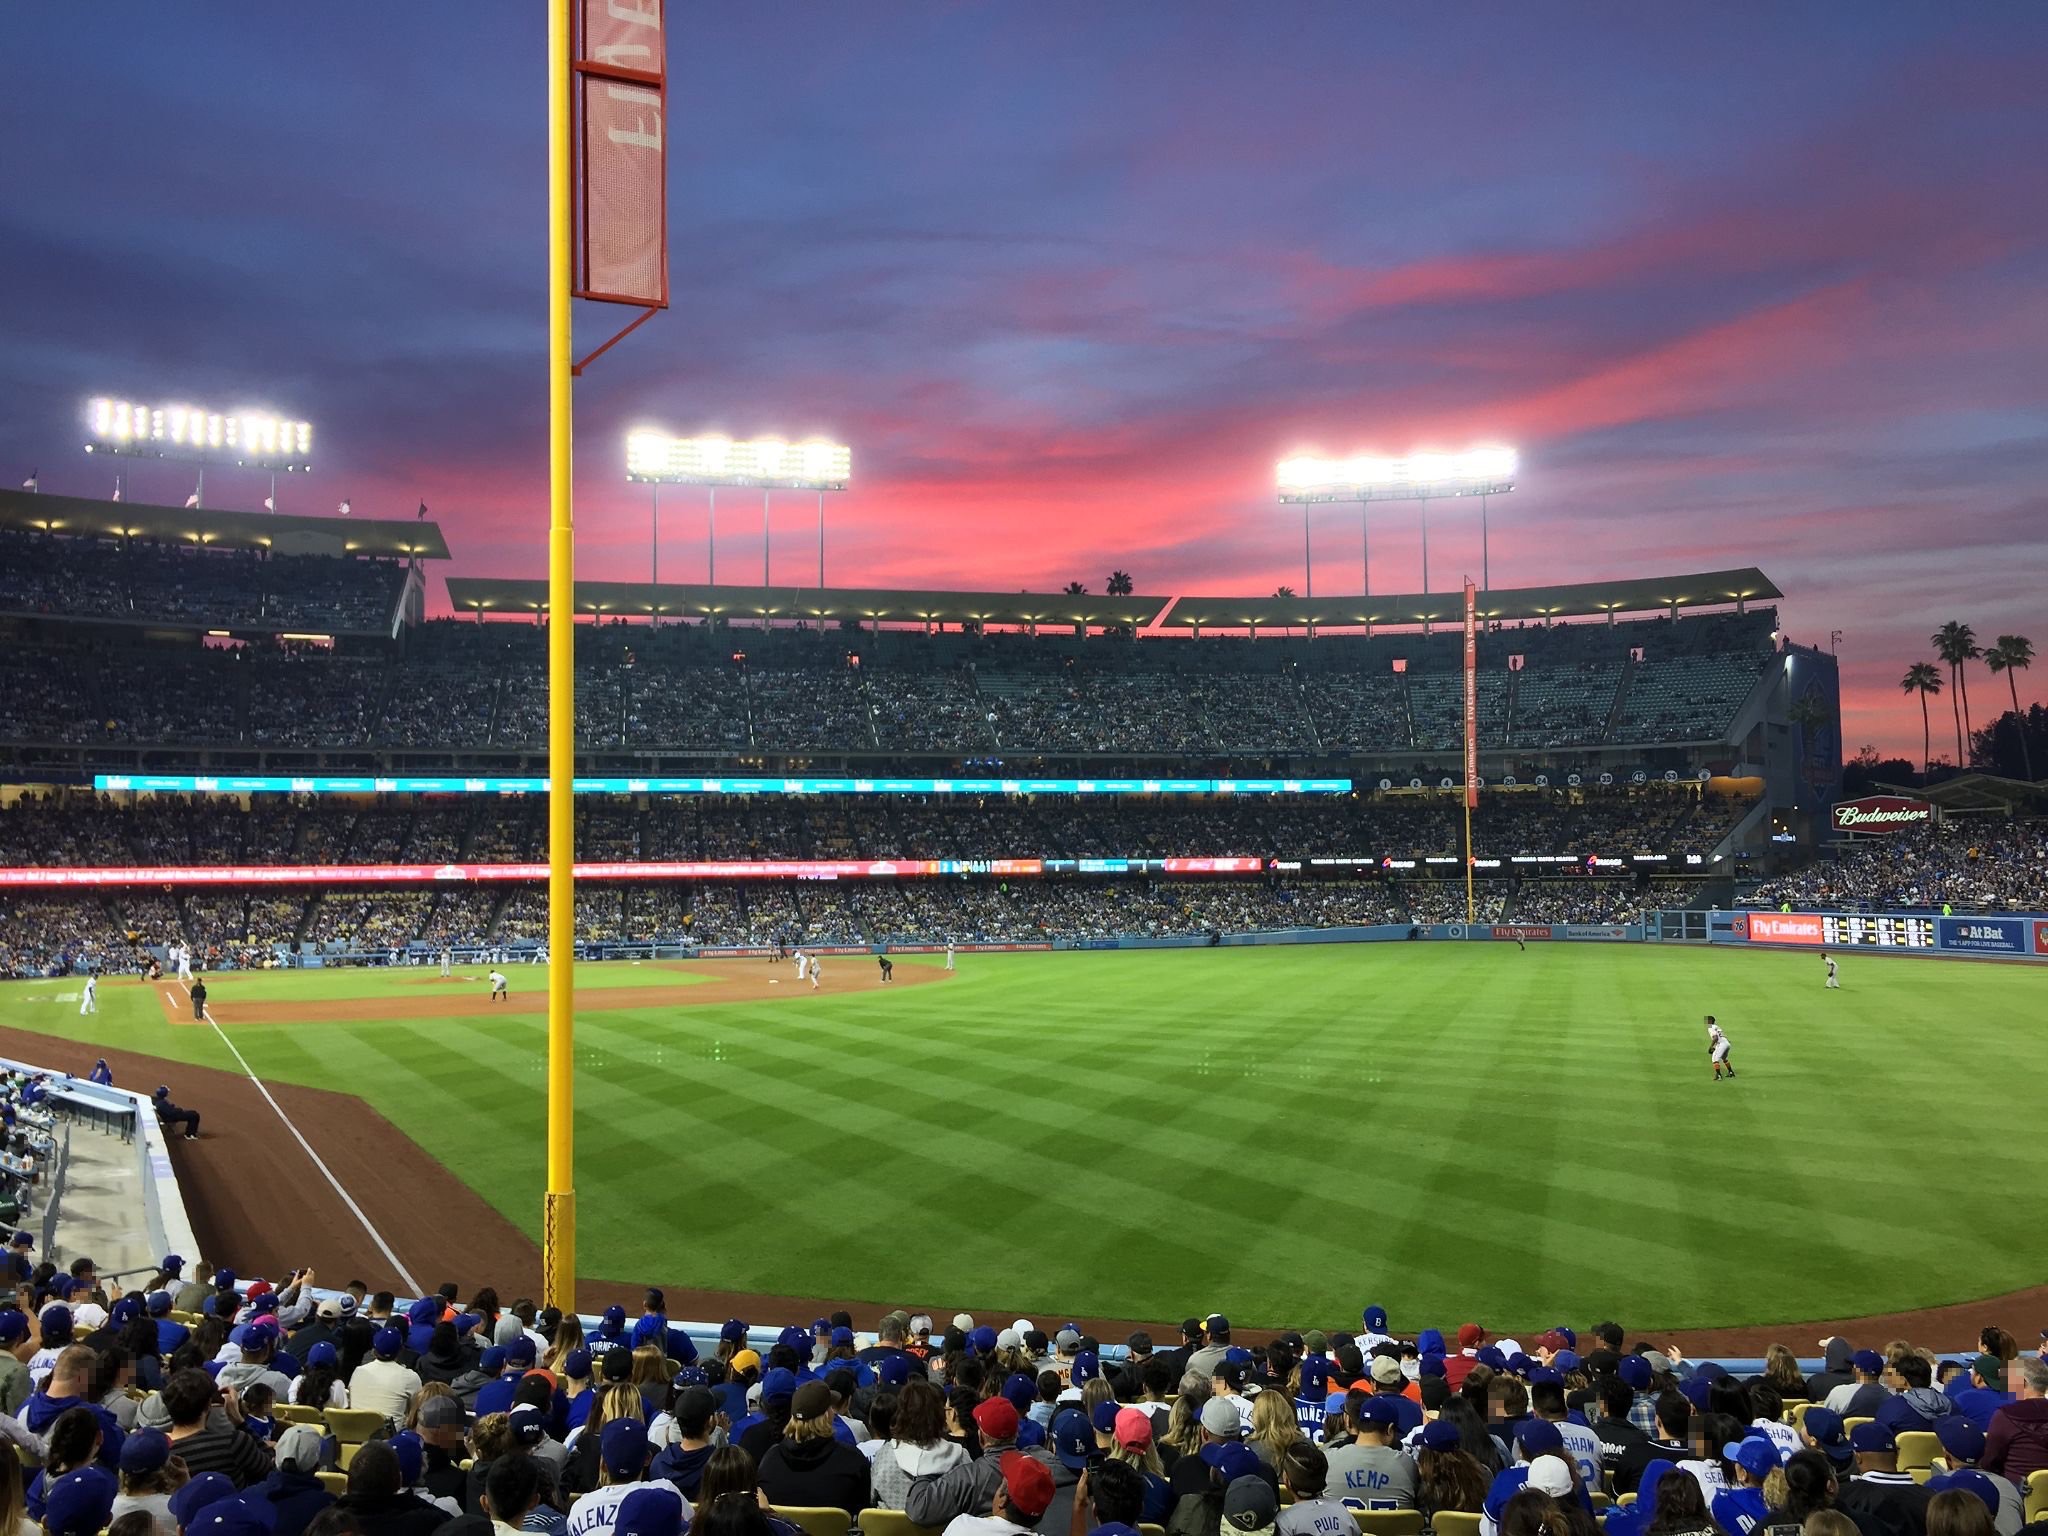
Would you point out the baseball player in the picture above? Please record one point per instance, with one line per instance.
(499, 987)
(447, 963)
(888, 969)
(1834, 980)
(814, 973)
(183, 952)
(89, 999)
(949, 954)
(1717, 1050)
(803, 965)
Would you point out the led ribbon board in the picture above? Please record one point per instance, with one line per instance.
(461, 784)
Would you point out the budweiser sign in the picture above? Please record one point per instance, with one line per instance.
(1881, 813)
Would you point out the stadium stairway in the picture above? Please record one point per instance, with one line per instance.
(1620, 707)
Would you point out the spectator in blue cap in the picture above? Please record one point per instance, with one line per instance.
(1982, 1393)
(1880, 1495)
(1740, 1508)
(204, 1488)
(760, 1430)
(1821, 1429)
(79, 1503)
(376, 1499)
(384, 1383)
(1866, 1392)
(1962, 1445)
(1371, 1470)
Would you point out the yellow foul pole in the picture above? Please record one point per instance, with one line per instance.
(558, 1245)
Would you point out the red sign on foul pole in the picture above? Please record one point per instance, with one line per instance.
(621, 202)
(1471, 695)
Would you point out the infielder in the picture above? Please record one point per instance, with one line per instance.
(814, 973)
(803, 965)
(1834, 981)
(1717, 1050)
(89, 999)
(446, 963)
(949, 954)
(499, 988)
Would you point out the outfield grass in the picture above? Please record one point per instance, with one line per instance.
(1456, 1129)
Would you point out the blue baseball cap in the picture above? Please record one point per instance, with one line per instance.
(1518, 1363)
(1441, 1435)
(173, 1262)
(1698, 1391)
(576, 1364)
(1634, 1372)
(21, 1240)
(780, 1382)
(1073, 1438)
(1378, 1410)
(205, 1489)
(796, 1337)
(1430, 1342)
(1868, 1361)
(1958, 1436)
(734, 1332)
(983, 1341)
(1536, 1436)
(1713, 1370)
(389, 1341)
(322, 1355)
(235, 1517)
(844, 1336)
(1538, 1375)
(520, 1351)
(1021, 1390)
(159, 1303)
(623, 1447)
(78, 1503)
(56, 1324)
(614, 1319)
(493, 1362)
(894, 1370)
(13, 1325)
(1086, 1368)
(1237, 1354)
(1103, 1418)
(1375, 1319)
(1872, 1439)
(1231, 1460)
(1753, 1453)
(1564, 1361)
(1335, 1403)
(1571, 1339)
(145, 1450)
(1489, 1355)
(650, 1511)
(1966, 1480)
(411, 1453)
(1315, 1375)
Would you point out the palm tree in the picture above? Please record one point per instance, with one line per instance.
(1956, 644)
(1283, 591)
(1921, 678)
(1077, 589)
(2013, 654)
(1119, 584)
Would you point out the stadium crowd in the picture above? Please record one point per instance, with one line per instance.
(207, 1406)
(1965, 865)
(461, 687)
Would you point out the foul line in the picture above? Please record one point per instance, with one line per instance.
(346, 1198)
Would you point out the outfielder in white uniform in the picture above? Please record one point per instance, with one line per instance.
(1834, 980)
(89, 1000)
(447, 963)
(949, 954)
(814, 973)
(499, 987)
(1717, 1050)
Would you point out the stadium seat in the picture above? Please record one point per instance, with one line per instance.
(1451, 1522)
(1625, 1500)
(1849, 1425)
(297, 1413)
(1916, 1451)
(1145, 1528)
(335, 1483)
(188, 1319)
(892, 1522)
(27, 1457)
(1389, 1522)
(2037, 1496)
(1795, 1413)
(813, 1520)
(352, 1426)
(1600, 1501)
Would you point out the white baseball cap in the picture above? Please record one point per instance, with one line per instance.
(1024, 1325)
(1550, 1475)
(89, 1315)
(963, 1322)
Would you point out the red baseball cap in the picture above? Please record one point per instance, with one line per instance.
(996, 1418)
(1026, 1483)
(1133, 1429)
(1470, 1336)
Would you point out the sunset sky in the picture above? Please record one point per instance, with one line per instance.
(1745, 285)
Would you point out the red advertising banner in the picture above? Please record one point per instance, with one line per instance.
(621, 196)
(1785, 928)
(2041, 938)
(1521, 931)
(1471, 695)
(418, 874)
(1880, 813)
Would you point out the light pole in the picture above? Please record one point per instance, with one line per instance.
(247, 439)
(1365, 479)
(767, 464)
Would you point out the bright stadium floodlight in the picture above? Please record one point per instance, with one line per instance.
(250, 439)
(1423, 477)
(768, 463)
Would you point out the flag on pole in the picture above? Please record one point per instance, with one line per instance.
(343, 508)
(117, 487)
(30, 483)
(192, 500)
(423, 511)
(269, 505)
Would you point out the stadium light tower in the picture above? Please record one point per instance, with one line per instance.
(768, 463)
(1366, 478)
(251, 439)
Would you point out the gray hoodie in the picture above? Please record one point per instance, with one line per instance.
(969, 1487)
(897, 1466)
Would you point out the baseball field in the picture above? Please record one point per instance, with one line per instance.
(1280, 1134)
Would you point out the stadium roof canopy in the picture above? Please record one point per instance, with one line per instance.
(471, 594)
(84, 517)
(1975, 792)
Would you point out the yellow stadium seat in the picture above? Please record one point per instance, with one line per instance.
(1849, 1425)
(1625, 1500)
(1920, 1474)
(1795, 1413)
(335, 1483)
(1454, 1522)
(814, 1520)
(1600, 1501)
(892, 1522)
(345, 1453)
(186, 1319)
(297, 1413)
(352, 1426)
(1917, 1448)
(27, 1457)
(1388, 1522)
(1146, 1528)
(2037, 1496)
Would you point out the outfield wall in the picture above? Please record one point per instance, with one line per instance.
(2001, 936)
